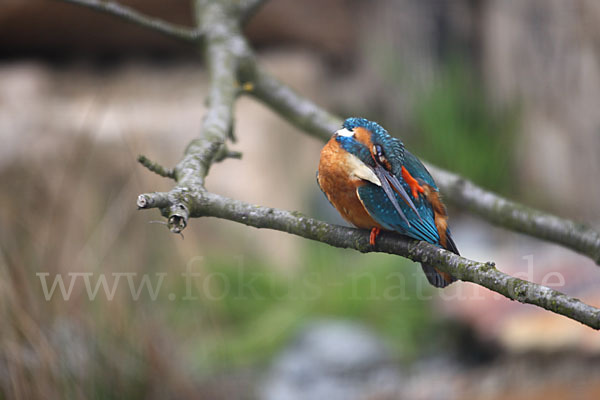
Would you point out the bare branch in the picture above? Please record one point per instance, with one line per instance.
(207, 204)
(155, 167)
(460, 191)
(226, 153)
(129, 14)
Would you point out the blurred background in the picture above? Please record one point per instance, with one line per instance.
(96, 302)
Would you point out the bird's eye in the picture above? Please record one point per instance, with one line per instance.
(378, 153)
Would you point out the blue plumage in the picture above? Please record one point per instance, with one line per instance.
(378, 206)
(373, 127)
(352, 146)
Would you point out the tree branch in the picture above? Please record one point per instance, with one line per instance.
(463, 193)
(208, 204)
(129, 14)
(156, 167)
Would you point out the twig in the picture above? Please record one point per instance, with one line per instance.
(129, 14)
(225, 153)
(155, 167)
(208, 204)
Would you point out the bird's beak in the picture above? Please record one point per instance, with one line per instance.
(390, 183)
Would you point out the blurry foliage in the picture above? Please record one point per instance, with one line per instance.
(457, 129)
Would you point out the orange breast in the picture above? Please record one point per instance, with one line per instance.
(339, 184)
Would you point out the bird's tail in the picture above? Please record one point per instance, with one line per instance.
(436, 277)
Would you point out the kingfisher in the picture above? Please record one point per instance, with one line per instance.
(376, 184)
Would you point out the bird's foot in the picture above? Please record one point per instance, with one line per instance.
(415, 188)
(374, 233)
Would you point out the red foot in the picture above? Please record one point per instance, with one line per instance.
(374, 234)
(412, 182)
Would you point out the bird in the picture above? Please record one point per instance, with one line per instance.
(377, 184)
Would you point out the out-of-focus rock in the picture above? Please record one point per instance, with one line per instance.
(333, 360)
(342, 360)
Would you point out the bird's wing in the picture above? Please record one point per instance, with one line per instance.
(380, 208)
(416, 168)
(418, 171)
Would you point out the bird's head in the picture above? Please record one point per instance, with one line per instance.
(372, 144)
(382, 153)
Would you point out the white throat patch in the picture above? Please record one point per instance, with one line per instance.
(361, 170)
